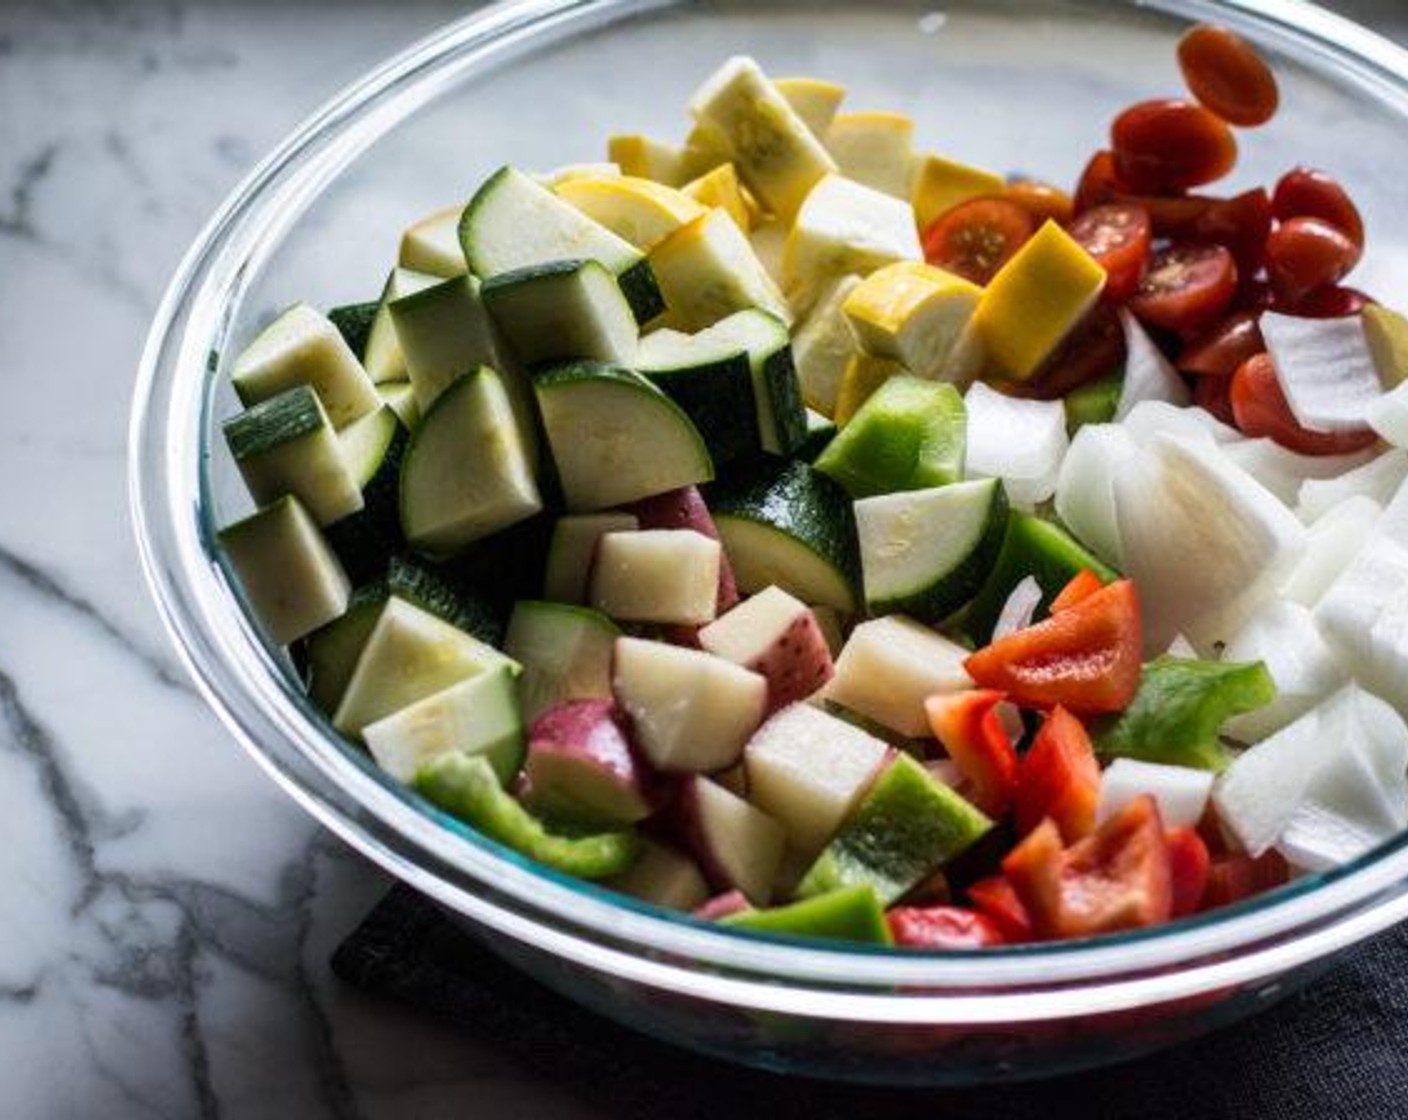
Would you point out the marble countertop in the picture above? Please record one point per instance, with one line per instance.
(166, 914)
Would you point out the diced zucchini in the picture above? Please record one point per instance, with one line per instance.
(290, 576)
(775, 152)
(565, 652)
(909, 435)
(615, 437)
(381, 353)
(790, 526)
(400, 397)
(926, 552)
(813, 99)
(286, 445)
(707, 270)
(710, 378)
(912, 312)
(572, 551)
(373, 449)
(513, 222)
(782, 420)
(332, 650)
(446, 595)
(410, 654)
(302, 347)
(875, 149)
(466, 473)
(365, 444)
(478, 717)
(445, 333)
(635, 210)
(560, 312)
(354, 322)
(432, 245)
(824, 345)
(668, 576)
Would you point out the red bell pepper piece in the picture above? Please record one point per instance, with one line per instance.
(1083, 585)
(996, 900)
(1086, 657)
(942, 927)
(1189, 865)
(1117, 878)
(967, 725)
(1232, 878)
(1059, 778)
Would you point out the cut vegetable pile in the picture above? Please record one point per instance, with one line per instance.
(835, 540)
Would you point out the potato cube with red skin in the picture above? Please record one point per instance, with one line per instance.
(775, 635)
(685, 509)
(580, 759)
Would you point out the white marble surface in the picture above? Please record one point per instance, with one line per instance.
(165, 914)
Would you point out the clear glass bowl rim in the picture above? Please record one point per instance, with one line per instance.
(495, 887)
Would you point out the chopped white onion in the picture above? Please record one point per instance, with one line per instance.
(1283, 472)
(1148, 419)
(1181, 791)
(1285, 638)
(1182, 648)
(1148, 375)
(1389, 416)
(1325, 368)
(1331, 542)
(1378, 479)
(1256, 795)
(1364, 617)
(1016, 613)
(1085, 489)
(1203, 541)
(1019, 441)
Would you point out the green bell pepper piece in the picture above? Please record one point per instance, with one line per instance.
(848, 914)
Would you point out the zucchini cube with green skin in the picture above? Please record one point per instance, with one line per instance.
(562, 311)
(711, 379)
(466, 474)
(432, 244)
(890, 666)
(302, 347)
(477, 716)
(333, 650)
(445, 333)
(409, 655)
(850, 913)
(775, 152)
(381, 353)
(400, 397)
(515, 222)
(908, 826)
(615, 437)
(287, 445)
(565, 652)
(707, 270)
(572, 550)
(910, 434)
(925, 553)
(777, 396)
(667, 576)
(290, 576)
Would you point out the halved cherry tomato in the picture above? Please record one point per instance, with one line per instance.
(968, 727)
(1087, 658)
(1221, 350)
(1303, 254)
(1096, 347)
(1307, 193)
(1214, 395)
(1241, 224)
(974, 239)
(1099, 183)
(1162, 147)
(1254, 294)
(1042, 201)
(995, 899)
(1231, 878)
(1117, 878)
(1118, 235)
(1259, 408)
(942, 927)
(1225, 74)
(1186, 287)
(1329, 303)
(1081, 587)
(1058, 779)
(1189, 862)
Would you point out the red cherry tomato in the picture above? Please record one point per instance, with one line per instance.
(1221, 350)
(1329, 303)
(1162, 147)
(1214, 395)
(975, 239)
(1240, 224)
(1042, 201)
(1306, 193)
(1259, 408)
(1228, 76)
(1118, 235)
(1303, 254)
(1186, 287)
(1099, 183)
(1254, 294)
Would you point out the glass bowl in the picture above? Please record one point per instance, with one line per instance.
(1012, 84)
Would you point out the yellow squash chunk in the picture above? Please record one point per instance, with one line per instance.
(1387, 334)
(570, 171)
(824, 345)
(876, 149)
(845, 227)
(645, 158)
(912, 312)
(769, 241)
(636, 210)
(1034, 302)
(705, 148)
(771, 146)
(940, 184)
(707, 270)
(864, 374)
(721, 188)
(816, 101)
(432, 245)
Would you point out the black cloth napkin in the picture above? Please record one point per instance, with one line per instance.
(1338, 1051)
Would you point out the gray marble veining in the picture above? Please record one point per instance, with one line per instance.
(165, 913)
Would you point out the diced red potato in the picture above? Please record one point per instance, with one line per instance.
(579, 753)
(829, 619)
(667, 576)
(738, 846)
(691, 711)
(722, 906)
(685, 509)
(775, 635)
(663, 875)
